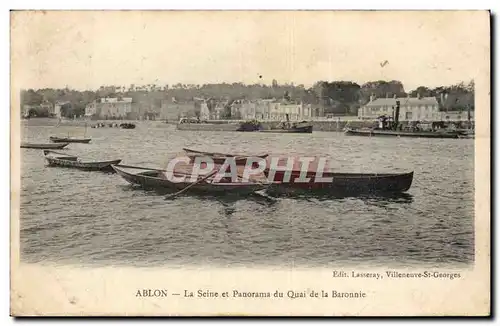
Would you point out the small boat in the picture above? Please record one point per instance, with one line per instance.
(69, 140)
(157, 179)
(341, 183)
(192, 151)
(395, 133)
(44, 146)
(220, 158)
(74, 162)
(301, 128)
(127, 126)
(61, 156)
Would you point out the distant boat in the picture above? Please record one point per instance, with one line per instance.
(55, 159)
(202, 125)
(44, 146)
(292, 130)
(395, 133)
(127, 126)
(69, 140)
(287, 127)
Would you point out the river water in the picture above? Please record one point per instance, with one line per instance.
(91, 218)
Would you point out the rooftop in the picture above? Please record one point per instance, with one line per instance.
(390, 101)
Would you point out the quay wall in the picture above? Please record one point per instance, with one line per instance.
(228, 125)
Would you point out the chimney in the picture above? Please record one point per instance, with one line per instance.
(372, 97)
(395, 96)
(442, 98)
(419, 96)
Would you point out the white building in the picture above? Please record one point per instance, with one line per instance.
(272, 110)
(411, 108)
(109, 107)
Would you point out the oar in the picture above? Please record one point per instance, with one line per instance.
(192, 184)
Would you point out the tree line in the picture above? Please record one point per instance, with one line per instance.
(337, 97)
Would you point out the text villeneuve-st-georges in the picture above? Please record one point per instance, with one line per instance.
(397, 275)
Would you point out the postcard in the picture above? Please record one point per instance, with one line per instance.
(250, 163)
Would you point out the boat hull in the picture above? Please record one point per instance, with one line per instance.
(342, 183)
(61, 156)
(208, 126)
(105, 166)
(388, 133)
(220, 158)
(304, 129)
(70, 140)
(44, 146)
(153, 179)
(127, 126)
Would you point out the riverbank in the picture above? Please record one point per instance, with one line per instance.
(228, 125)
(211, 125)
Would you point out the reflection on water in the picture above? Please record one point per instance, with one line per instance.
(70, 216)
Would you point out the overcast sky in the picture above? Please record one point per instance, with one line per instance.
(85, 50)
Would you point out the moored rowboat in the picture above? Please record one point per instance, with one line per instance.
(220, 158)
(44, 146)
(69, 140)
(157, 179)
(192, 151)
(58, 155)
(341, 183)
(104, 166)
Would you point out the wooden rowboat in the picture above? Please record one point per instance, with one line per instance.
(44, 146)
(58, 155)
(341, 183)
(192, 151)
(157, 179)
(74, 162)
(220, 158)
(69, 140)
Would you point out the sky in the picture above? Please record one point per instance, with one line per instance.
(87, 49)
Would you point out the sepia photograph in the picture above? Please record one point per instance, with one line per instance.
(289, 163)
